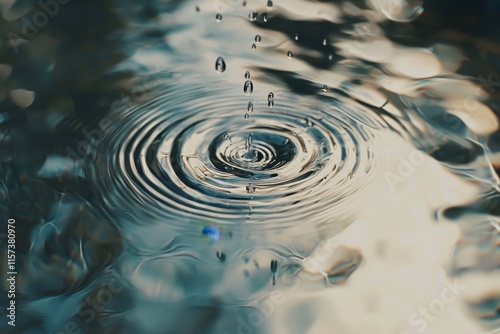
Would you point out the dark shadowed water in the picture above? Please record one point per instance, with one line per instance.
(231, 166)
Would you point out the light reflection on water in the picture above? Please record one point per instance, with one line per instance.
(253, 167)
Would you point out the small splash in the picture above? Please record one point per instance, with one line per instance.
(220, 65)
(218, 17)
(248, 87)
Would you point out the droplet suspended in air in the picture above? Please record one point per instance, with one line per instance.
(274, 266)
(258, 38)
(247, 75)
(226, 136)
(324, 42)
(270, 100)
(253, 16)
(269, 4)
(264, 17)
(250, 107)
(218, 17)
(325, 88)
(330, 57)
(221, 256)
(197, 9)
(290, 54)
(296, 37)
(248, 87)
(220, 65)
(254, 46)
(250, 189)
(247, 116)
(250, 140)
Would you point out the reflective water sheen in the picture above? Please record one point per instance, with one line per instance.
(254, 166)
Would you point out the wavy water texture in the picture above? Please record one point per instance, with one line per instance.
(255, 167)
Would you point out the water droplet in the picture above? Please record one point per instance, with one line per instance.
(247, 75)
(325, 88)
(258, 38)
(247, 116)
(197, 9)
(324, 42)
(264, 17)
(221, 256)
(226, 137)
(330, 57)
(254, 46)
(218, 17)
(250, 107)
(250, 189)
(253, 16)
(274, 266)
(244, 3)
(270, 100)
(290, 54)
(250, 140)
(309, 123)
(248, 87)
(220, 65)
(296, 37)
(269, 4)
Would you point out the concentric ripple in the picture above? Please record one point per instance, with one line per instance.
(191, 153)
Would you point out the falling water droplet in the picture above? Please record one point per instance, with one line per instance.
(248, 87)
(247, 116)
(250, 107)
(264, 17)
(290, 54)
(218, 17)
(325, 88)
(258, 38)
(254, 46)
(250, 189)
(220, 65)
(330, 57)
(244, 3)
(253, 16)
(270, 100)
(274, 266)
(324, 42)
(247, 75)
(226, 137)
(197, 9)
(221, 256)
(269, 4)
(296, 37)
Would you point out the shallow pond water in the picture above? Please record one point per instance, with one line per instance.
(251, 166)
